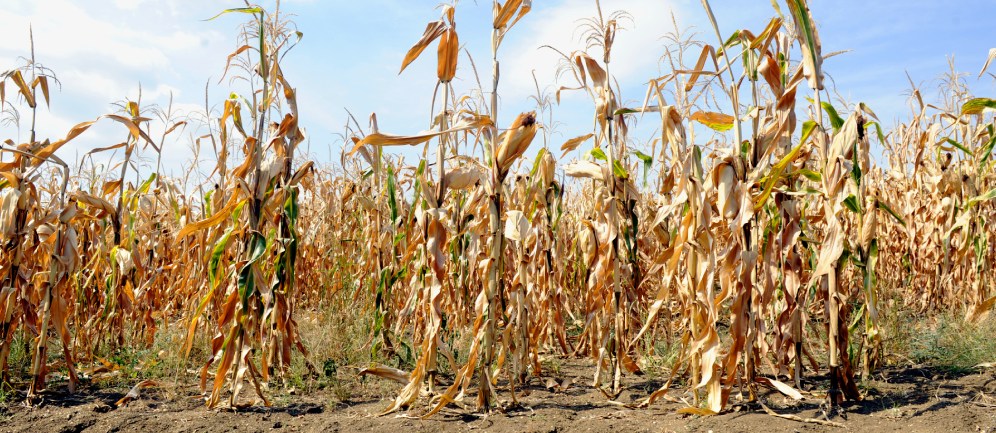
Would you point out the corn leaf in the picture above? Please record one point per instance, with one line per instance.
(981, 198)
(882, 205)
(717, 121)
(978, 105)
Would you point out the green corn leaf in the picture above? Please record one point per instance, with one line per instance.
(147, 184)
(987, 150)
(392, 202)
(216, 253)
(981, 198)
(648, 162)
(881, 205)
(851, 202)
(257, 243)
(810, 41)
(807, 130)
(878, 130)
(835, 120)
(598, 154)
(207, 203)
(536, 162)
(619, 171)
(978, 105)
(811, 175)
(958, 146)
(249, 10)
(776, 174)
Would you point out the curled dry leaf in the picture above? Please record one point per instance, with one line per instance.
(135, 392)
(585, 169)
(717, 121)
(448, 52)
(433, 30)
(573, 143)
(387, 372)
(464, 176)
(379, 139)
(516, 225)
(8, 209)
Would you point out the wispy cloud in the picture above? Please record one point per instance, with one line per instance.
(105, 53)
(634, 56)
(104, 50)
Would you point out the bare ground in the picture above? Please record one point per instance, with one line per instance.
(905, 400)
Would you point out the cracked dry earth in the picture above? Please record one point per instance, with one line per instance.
(908, 400)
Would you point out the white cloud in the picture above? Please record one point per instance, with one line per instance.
(103, 50)
(129, 5)
(634, 55)
(104, 54)
(63, 29)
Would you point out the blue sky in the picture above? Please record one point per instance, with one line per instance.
(351, 52)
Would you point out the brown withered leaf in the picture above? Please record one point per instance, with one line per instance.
(447, 53)
(386, 372)
(573, 143)
(433, 30)
(135, 392)
(379, 139)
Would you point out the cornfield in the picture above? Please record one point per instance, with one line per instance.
(758, 230)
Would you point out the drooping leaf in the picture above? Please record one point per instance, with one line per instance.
(991, 194)
(717, 121)
(23, 87)
(958, 146)
(852, 204)
(42, 81)
(433, 30)
(212, 220)
(597, 153)
(808, 35)
(835, 120)
(989, 60)
(573, 143)
(648, 162)
(708, 52)
(882, 205)
(878, 131)
(986, 151)
(978, 105)
(245, 10)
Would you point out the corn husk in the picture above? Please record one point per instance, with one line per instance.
(517, 139)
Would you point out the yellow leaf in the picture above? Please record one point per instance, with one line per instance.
(43, 82)
(716, 121)
(210, 221)
(23, 87)
(379, 139)
(695, 411)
